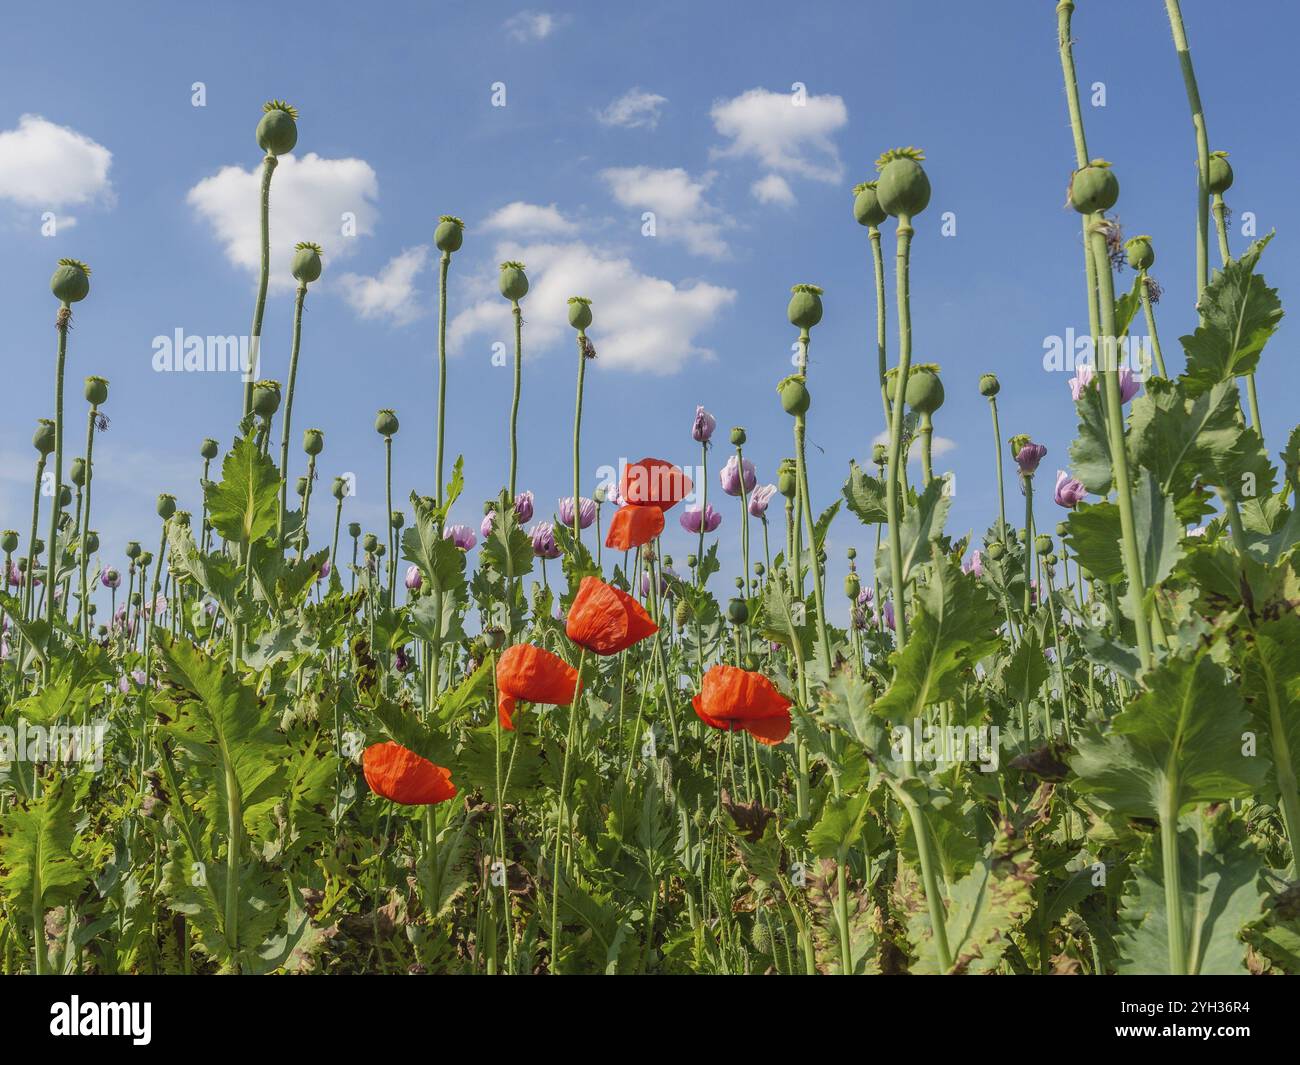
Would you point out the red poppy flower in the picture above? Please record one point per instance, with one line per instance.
(404, 777)
(634, 526)
(736, 698)
(535, 676)
(606, 620)
(654, 483)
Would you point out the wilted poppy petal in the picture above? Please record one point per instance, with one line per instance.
(743, 699)
(633, 526)
(769, 730)
(404, 777)
(534, 675)
(699, 712)
(654, 483)
(606, 620)
(506, 712)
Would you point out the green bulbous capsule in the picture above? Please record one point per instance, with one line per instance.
(1220, 173)
(301, 487)
(380, 550)
(738, 611)
(866, 205)
(339, 489)
(369, 542)
(277, 132)
(494, 638)
(450, 234)
(738, 437)
(266, 398)
(513, 282)
(71, 281)
(313, 441)
(354, 529)
(306, 266)
(879, 454)
(1139, 252)
(787, 478)
(1051, 558)
(795, 399)
(852, 585)
(65, 495)
(1061, 529)
(92, 541)
(996, 550)
(989, 385)
(397, 519)
(902, 187)
(1042, 544)
(209, 449)
(77, 474)
(166, 505)
(386, 423)
(805, 307)
(43, 438)
(579, 312)
(96, 391)
(924, 391)
(1094, 187)
(682, 614)
(750, 662)
(9, 541)
(133, 549)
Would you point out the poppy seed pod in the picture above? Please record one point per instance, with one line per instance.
(924, 391)
(989, 386)
(1220, 173)
(339, 489)
(166, 505)
(277, 132)
(71, 281)
(313, 441)
(902, 187)
(794, 395)
(8, 541)
(354, 529)
(879, 454)
(96, 391)
(1139, 253)
(738, 611)
(380, 550)
(386, 423)
(397, 519)
(1051, 559)
(369, 542)
(306, 265)
(133, 549)
(77, 474)
(852, 585)
(301, 487)
(209, 449)
(1062, 529)
(43, 438)
(513, 282)
(805, 307)
(866, 205)
(266, 398)
(738, 437)
(1094, 187)
(787, 480)
(65, 496)
(995, 550)
(579, 312)
(1042, 544)
(92, 541)
(450, 234)
(682, 614)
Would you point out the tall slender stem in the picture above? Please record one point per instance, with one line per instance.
(52, 546)
(577, 433)
(997, 464)
(518, 314)
(269, 163)
(288, 408)
(444, 262)
(1202, 147)
(85, 519)
(893, 494)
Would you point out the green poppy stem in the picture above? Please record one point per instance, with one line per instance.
(878, 265)
(444, 263)
(85, 520)
(577, 433)
(997, 465)
(52, 544)
(518, 314)
(893, 492)
(288, 410)
(561, 820)
(1150, 312)
(269, 163)
(1202, 146)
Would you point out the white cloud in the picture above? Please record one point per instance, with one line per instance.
(528, 219)
(634, 108)
(45, 165)
(939, 445)
(531, 25)
(309, 200)
(681, 211)
(642, 323)
(391, 293)
(783, 134)
(773, 189)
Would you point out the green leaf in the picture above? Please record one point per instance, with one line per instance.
(1091, 459)
(922, 524)
(1158, 529)
(244, 504)
(865, 496)
(36, 851)
(841, 827)
(1093, 536)
(1025, 670)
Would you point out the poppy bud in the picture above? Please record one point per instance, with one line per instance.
(313, 441)
(370, 542)
(995, 550)
(494, 638)
(277, 132)
(96, 391)
(805, 307)
(65, 495)
(450, 234)
(1042, 544)
(354, 529)
(77, 474)
(903, 187)
(92, 541)
(579, 312)
(71, 281)
(924, 391)
(166, 506)
(1139, 253)
(852, 585)
(43, 438)
(209, 449)
(306, 265)
(386, 423)
(1094, 187)
(879, 454)
(794, 395)
(132, 549)
(301, 487)
(738, 437)
(266, 398)
(181, 518)
(866, 205)
(787, 481)
(380, 550)
(513, 282)
(397, 519)
(1220, 173)
(750, 662)
(1062, 529)
(852, 553)
(9, 541)
(339, 489)
(1051, 559)
(682, 614)
(989, 386)
(738, 611)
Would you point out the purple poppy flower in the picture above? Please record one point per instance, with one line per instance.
(975, 565)
(400, 662)
(487, 524)
(703, 426)
(1069, 492)
(760, 498)
(110, 578)
(4, 648)
(543, 536)
(324, 570)
(729, 475)
(524, 506)
(645, 585)
(460, 535)
(1081, 380)
(586, 511)
(159, 606)
(692, 520)
(889, 613)
(1129, 384)
(1029, 456)
(865, 596)
(414, 578)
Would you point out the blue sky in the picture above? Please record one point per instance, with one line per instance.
(610, 111)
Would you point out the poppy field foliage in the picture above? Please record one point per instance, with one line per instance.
(1068, 745)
